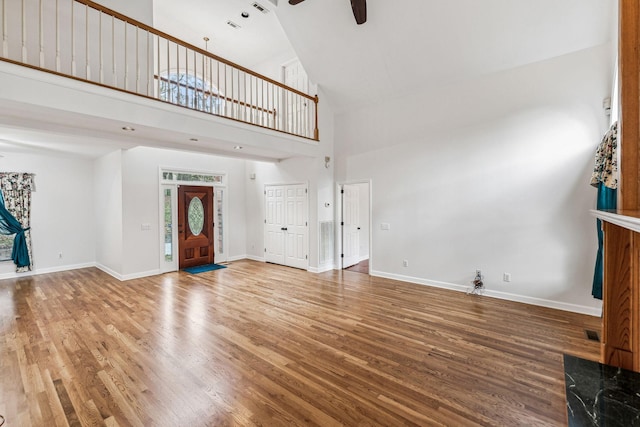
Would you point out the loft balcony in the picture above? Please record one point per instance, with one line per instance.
(87, 42)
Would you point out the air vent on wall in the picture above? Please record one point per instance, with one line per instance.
(326, 242)
(260, 7)
(233, 24)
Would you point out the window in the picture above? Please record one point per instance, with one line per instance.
(190, 91)
(6, 247)
(193, 177)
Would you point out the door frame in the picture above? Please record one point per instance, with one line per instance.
(340, 215)
(163, 184)
(264, 206)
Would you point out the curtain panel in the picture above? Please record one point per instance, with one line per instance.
(16, 188)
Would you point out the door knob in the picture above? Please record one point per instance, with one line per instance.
(284, 229)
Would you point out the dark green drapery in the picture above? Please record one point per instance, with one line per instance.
(10, 225)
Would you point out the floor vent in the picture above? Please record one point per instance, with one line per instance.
(592, 335)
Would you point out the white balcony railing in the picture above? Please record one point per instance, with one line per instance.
(86, 41)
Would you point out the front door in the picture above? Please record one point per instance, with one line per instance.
(195, 226)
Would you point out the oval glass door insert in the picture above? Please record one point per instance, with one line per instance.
(195, 214)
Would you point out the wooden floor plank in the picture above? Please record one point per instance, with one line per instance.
(260, 344)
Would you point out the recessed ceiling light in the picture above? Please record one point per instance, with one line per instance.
(233, 24)
(245, 14)
(193, 139)
(128, 128)
(237, 147)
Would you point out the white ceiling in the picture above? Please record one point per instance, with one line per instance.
(259, 38)
(410, 44)
(403, 46)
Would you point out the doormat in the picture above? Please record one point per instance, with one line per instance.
(203, 268)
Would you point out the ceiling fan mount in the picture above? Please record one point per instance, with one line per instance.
(359, 8)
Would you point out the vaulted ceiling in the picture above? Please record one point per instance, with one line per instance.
(404, 45)
(419, 43)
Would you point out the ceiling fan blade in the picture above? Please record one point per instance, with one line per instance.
(295, 2)
(359, 10)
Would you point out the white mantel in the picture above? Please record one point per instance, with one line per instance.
(626, 219)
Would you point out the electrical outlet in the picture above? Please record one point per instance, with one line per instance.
(478, 272)
(60, 255)
(405, 263)
(506, 277)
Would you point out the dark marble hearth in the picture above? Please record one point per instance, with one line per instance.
(601, 395)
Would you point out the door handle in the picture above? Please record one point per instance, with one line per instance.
(284, 229)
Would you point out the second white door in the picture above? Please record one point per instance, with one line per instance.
(287, 225)
(350, 225)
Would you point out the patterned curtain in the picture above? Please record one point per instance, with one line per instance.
(605, 179)
(17, 188)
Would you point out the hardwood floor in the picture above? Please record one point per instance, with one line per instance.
(260, 344)
(361, 267)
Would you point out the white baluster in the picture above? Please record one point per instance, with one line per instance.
(126, 58)
(41, 29)
(137, 59)
(113, 52)
(101, 60)
(57, 38)
(86, 47)
(73, 41)
(5, 39)
(24, 34)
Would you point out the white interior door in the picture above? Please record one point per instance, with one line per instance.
(286, 225)
(296, 115)
(350, 228)
(274, 224)
(296, 235)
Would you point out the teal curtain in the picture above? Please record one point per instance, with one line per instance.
(605, 179)
(607, 199)
(10, 225)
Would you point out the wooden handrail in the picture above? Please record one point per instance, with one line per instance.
(159, 33)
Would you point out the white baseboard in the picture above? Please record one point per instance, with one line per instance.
(591, 311)
(363, 258)
(321, 269)
(125, 277)
(255, 258)
(110, 272)
(236, 258)
(47, 270)
(141, 274)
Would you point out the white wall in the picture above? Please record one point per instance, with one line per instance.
(61, 210)
(141, 253)
(108, 211)
(273, 67)
(490, 174)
